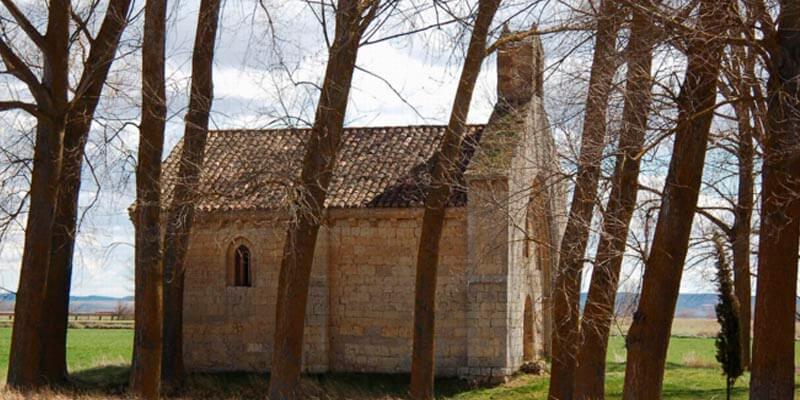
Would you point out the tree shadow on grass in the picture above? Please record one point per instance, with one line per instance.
(690, 393)
(362, 385)
(687, 389)
(101, 381)
(112, 381)
(615, 367)
(620, 367)
(244, 385)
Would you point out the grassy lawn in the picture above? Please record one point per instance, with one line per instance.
(86, 348)
(692, 373)
(101, 356)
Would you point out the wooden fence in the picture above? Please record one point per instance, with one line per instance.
(95, 316)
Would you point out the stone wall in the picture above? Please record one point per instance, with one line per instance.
(530, 197)
(373, 266)
(360, 309)
(230, 328)
(487, 276)
(510, 171)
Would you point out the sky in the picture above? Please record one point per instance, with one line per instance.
(265, 78)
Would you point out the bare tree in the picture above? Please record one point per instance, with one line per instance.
(774, 326)
(51, 96)
(181, 209)
(748, 121)
(445, 168)
(122, 310)
(353, 17)
(742, 89)
(649, 334)
(599, 309)
(78, 123)
(146, 365)
(566, 293)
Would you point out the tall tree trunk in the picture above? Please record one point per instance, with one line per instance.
(648, 336)
(599, 309)
(24, 369)
(318, 165)
(146, 366)
(741, 75)
(774, 326)
(742, 228)
(54, 361)
(444, 169)
(566, 293)
(181, 210)
(96, 67)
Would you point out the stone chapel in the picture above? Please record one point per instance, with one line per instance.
(503, 227)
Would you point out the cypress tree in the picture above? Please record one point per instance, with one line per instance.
(728, 340)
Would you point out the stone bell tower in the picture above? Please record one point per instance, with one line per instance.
(520, 66)
(508, 285)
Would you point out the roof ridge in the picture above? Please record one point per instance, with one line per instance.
(347, 128)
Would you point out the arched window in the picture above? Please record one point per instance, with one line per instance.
(239, 264)
(242, 267)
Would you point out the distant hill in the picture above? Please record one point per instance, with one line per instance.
(690, 305)
(80, 304)
(100, 298)
(12, 297)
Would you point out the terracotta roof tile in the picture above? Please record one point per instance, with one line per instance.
(377, 167)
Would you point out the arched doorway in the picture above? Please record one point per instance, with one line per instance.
(542, 240)
(527, 332)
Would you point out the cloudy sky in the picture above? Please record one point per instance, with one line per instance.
(265, 77)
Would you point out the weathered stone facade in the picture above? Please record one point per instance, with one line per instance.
(494, 278)
(360, 302)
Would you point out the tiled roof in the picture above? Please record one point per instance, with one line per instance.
(377, 167)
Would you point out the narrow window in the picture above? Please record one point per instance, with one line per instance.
(241, 264)
(526, 245)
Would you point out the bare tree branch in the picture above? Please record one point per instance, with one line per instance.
(20, 105)
(26, 26)
(21, 71)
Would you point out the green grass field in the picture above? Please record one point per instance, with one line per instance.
(101, 356)
(87, 349)
(692, 373)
